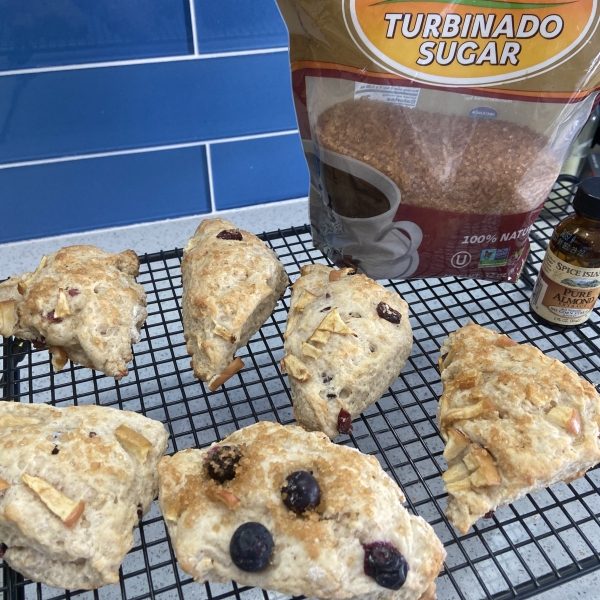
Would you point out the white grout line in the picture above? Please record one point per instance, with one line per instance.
(61, 159)
(143, 61)
(211, 185)
(194, 32)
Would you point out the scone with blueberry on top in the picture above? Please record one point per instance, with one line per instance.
(280, 508)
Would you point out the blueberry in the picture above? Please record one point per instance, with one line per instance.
(222, 462)
(251, 547)
(302, 492)
(385, 565)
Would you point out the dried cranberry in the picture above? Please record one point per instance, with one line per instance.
(327, 295)
(230, 234)
(93, 434)
(140, 512)
(39, 344)
(331, 396)
(489, 514)
(385, 311)
(3, 549)
(326, 378)
(385, 565)
(325, 309)
(55, 450)
(74, 292)
(345, 422)
(51, 318)
(221, 462)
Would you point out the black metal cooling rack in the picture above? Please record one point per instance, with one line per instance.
(530, 546)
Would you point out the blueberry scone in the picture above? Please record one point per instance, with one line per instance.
(231, 284)
(346, 341)
(514, 421)
(82, 304)
(73, 484)
(284, 509)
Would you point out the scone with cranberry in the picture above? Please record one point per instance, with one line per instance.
(231, 284)
(82, 304)
(346, 341)
(284, 509)
(74, 482)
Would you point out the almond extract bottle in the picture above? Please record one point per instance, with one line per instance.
(569, 280)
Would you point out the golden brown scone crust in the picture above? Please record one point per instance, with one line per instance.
(76, 450)
(514, 420)
(352, 371)
(230, 288)
(81, 303)
(318, 554)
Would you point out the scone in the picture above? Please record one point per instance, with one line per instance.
(81, 303)
(283, 509)
(346, 341)
(231, 284)
(514, 421)
(73, 483)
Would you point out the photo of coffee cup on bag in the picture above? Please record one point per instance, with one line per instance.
(435, 131)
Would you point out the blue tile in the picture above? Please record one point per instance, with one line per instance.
(256, 171)
(102, 109)
(58, 198)
(239, 25)
(35, 33)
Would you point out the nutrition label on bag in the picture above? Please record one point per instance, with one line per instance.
(403, 96)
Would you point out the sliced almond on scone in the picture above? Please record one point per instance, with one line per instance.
(333, 323)
(310, 350)
(63, 507)
(237, 364)
(4, 485)
(304, 300)
(457, 443)
(62, 309)
(295, 367)
(133, 442)
(59, 357)
(341, 273)
(8, 317)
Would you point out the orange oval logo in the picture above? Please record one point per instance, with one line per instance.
(470, 42)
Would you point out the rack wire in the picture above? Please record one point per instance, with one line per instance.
(530, 546)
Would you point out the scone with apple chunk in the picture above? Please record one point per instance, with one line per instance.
(74, 482)
(284, 509)
(82, 304)
(514, 421)
(346, 341)
(231, 284)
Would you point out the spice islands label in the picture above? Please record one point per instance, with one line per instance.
(470, 42)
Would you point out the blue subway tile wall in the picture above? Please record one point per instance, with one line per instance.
(78, 195)
(118, 110)
(229, 25)
(34, 33)
(249, 172)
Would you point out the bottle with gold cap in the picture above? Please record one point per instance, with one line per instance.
(569, 280)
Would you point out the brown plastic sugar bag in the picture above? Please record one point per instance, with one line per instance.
(434, 131)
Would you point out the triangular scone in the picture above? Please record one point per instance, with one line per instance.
(346, 341)
(318, 549)
(231, 284)
(82, 304)
(73, 484)
(514, 421)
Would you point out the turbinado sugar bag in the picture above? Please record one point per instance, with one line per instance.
(434, 131)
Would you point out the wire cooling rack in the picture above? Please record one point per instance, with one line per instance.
(528, 547)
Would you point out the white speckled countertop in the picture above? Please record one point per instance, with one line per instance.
(165, 235)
